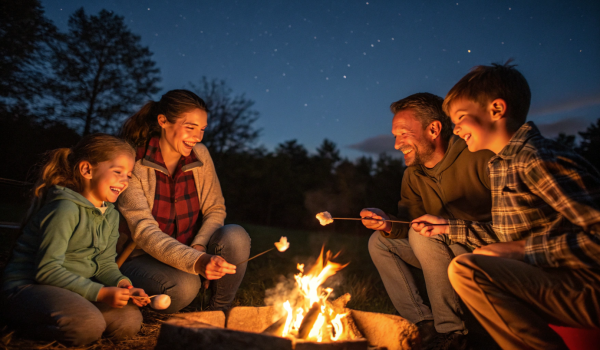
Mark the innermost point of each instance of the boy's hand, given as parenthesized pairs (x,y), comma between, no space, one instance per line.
(510,250)
(114,296)
(214,267)
(420,225)
(375,224)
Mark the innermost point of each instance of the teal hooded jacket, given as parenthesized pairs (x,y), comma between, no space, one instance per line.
(69,244)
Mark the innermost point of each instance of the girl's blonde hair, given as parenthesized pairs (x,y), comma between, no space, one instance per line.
(61,166)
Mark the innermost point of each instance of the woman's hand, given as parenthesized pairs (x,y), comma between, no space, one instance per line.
(420,225)
(114,296)
(213,267)
(377,214)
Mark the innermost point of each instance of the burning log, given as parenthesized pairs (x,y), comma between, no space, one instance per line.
(309,321)
(276,328)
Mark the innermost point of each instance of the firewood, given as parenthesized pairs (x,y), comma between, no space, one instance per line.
(277,327)
(309,321)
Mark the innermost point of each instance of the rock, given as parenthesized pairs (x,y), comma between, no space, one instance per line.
(213,318)
(387,331)
(185,333)
(252,319)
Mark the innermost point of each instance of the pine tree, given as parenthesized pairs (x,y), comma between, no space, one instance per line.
(102,72)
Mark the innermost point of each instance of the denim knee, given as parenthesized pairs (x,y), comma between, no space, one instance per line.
(236,236)
(183,292)
(375,245)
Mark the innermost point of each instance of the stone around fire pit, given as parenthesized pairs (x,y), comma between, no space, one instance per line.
(205,330)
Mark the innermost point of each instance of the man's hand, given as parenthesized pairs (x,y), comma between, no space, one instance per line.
(420,225)
(510,250)
(213,267)
(114,296)
(375,224)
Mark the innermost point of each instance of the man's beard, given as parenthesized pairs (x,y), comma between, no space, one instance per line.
(423,153)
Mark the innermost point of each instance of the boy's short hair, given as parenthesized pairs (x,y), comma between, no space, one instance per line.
(484,84)
(427,108)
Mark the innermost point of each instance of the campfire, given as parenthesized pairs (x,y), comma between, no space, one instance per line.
(300,318)
(309,315)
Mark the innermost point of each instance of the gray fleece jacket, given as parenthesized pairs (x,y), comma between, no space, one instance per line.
(137,201)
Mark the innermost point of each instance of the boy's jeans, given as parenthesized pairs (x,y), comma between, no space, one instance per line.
(230,241)
(432,255)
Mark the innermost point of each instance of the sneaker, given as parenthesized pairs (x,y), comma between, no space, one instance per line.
(449,341)
(428,333)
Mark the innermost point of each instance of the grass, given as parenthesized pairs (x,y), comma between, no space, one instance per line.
(359,278)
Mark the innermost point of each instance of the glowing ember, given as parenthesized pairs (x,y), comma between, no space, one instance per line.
(283,244)
(314,319)
(324,218)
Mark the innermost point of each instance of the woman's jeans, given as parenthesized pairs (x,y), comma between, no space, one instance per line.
(54,313)
(432,255)
(230,242)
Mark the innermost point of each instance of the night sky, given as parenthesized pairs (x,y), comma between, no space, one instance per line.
(330,69)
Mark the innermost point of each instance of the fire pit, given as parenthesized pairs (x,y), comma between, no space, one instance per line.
(302,317)
(242,328)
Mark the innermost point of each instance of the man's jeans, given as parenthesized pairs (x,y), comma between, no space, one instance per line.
(230,241)
(432,255)
(53,313)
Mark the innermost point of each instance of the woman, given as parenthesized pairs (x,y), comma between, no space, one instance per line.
(174,207)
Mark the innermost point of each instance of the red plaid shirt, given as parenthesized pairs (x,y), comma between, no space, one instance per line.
(176,204)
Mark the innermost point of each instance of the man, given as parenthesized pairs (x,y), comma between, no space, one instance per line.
(443,179)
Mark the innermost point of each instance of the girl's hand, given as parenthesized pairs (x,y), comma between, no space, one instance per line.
(213,267)
(114,296)
(139,292)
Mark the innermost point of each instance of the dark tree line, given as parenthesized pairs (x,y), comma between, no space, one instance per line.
(55,86)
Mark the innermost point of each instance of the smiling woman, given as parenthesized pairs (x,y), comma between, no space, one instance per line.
(174,207)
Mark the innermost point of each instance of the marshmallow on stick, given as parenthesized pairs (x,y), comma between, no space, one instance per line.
(324,218)
(283,244)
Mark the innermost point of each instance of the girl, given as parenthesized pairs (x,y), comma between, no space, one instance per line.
(174,207)
(62,281)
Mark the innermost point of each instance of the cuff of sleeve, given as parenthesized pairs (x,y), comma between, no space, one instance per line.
(201,273)
(123,278)
(457,228)
(92,292)
(533,254)
(399,230)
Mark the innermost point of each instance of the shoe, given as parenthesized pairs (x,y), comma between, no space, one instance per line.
(427,332)
(449,341)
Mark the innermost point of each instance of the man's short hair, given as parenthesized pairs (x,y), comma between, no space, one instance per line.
(427,108)
(483,84)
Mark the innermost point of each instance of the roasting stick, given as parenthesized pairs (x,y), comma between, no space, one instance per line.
(282,246)
(402,222)
(256,256)
(139,297)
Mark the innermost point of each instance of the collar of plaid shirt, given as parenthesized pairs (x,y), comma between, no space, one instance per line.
(176,205)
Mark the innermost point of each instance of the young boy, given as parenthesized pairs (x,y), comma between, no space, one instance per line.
(545,216)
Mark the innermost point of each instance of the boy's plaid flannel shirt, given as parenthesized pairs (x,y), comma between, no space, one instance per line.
(544,194)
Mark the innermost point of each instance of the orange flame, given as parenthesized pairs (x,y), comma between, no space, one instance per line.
(325,328)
